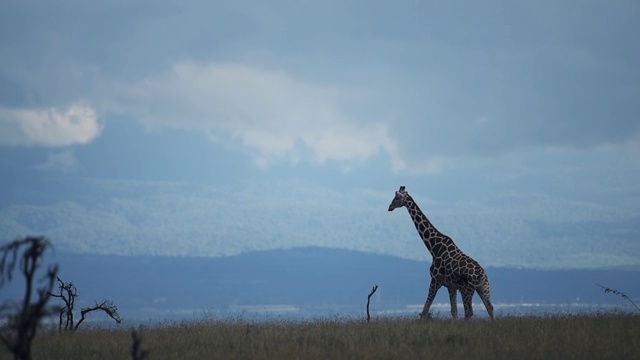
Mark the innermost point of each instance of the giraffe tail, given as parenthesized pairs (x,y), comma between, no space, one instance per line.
(484,291)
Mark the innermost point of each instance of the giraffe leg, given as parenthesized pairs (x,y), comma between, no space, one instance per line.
(453,294)
(485,294)
(434,286)
(467,297)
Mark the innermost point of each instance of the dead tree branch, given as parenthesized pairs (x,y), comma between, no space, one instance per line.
(68,293)
(619,293)
(375,287)
(107,306)
(20,329)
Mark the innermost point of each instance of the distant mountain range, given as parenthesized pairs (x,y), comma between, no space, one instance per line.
(311,279)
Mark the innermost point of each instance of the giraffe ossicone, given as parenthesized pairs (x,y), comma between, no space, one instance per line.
(450,267)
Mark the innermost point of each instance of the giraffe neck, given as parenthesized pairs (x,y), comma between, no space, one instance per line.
(435,241)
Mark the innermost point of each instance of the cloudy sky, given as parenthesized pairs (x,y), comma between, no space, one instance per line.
(461,101)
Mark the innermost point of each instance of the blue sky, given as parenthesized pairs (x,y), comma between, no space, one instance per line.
(467,103)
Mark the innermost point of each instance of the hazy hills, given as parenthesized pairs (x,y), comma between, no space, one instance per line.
(187,219)
(314,280)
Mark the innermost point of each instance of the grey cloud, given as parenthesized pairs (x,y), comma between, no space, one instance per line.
(451,79)
(58,161)
(488,105)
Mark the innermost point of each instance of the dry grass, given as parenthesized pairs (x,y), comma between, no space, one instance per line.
(586,336)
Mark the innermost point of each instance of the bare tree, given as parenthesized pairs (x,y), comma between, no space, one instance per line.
(22,318)
(68,294)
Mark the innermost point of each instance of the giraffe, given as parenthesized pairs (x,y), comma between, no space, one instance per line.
(450,267)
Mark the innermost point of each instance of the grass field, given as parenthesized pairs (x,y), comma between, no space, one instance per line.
(584,336)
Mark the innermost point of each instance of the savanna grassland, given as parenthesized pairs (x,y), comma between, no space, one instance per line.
(583,336)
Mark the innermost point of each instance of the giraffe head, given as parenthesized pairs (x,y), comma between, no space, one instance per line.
(399,200)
